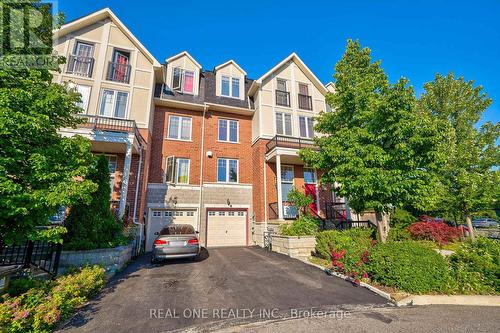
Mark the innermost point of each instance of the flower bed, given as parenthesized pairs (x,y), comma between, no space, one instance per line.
(46,303)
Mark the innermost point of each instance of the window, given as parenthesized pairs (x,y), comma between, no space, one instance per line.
(306,127)
(84,91)
(230,213)
(177,170)
(119,68)
(222,213)
(81,61)
(156,213)
(305,101)
(309,176)
(177,229)
(227,170)
(112,162)
(183,80)
(178,213)
(241,213)
(283,123)
(286,181)
(282,95)
(168,213)
(179,128)
(113,103)
(230,86)
(228,130)
(211,213)
(189,213)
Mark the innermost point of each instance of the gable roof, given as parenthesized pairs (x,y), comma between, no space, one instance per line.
(99,16)
(231,62)
(295,58)
(330,86)
(183,53)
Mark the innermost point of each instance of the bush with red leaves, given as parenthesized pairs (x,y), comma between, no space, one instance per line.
(440,233)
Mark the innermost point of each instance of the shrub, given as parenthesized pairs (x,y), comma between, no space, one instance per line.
(303,226)
(42,307)
(440,233)
(401,218)
(327,241)
(399,233)
(476,266)
(92,226)
(409,266)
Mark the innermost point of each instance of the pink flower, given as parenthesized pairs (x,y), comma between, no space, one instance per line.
(365,275)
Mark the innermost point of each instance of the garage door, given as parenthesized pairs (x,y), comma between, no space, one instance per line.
(162,218)
(227,228)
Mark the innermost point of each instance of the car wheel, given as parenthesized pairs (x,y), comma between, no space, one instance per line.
(154,260)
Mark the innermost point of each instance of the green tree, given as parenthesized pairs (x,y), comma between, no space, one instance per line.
(39,170)
(469,174)
(92,225)
(375,144)
(301,201)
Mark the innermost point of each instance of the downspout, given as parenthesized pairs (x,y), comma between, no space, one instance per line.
(134,220)
(202,157)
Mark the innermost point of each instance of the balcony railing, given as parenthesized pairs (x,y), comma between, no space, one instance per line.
(101,123)
(81,66)
(289,142)
(118,72)
(282,98)
(305,102)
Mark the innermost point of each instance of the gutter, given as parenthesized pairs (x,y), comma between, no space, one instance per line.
(202,158)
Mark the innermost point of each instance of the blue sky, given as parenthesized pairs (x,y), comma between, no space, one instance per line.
(415,39)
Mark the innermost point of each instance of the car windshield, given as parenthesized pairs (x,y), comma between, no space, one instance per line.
(177,229)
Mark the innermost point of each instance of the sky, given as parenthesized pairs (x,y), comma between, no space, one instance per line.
(415,38)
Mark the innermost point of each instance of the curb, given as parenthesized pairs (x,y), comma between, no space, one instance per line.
(362,284)
(476,300)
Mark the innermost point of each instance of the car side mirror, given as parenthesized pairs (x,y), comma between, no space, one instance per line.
(157,233)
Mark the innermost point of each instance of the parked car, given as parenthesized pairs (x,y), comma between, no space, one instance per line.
(484,222)
(430,219)
(176,241)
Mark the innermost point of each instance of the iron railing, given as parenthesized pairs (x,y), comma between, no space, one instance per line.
(119,72)
(305,102)
(289,142)
(111,125)
(43,255)
(282,98)
(81,66)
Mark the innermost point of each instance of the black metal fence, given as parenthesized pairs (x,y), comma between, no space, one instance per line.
(40,254)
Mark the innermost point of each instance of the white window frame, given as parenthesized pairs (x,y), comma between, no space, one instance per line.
(307,119)
(227,171)
(285,166)
(84,104)
(156,213)
(115,93)
(228,121)
(313,172)
(179,128)
(182,79)
(230,80)
(283,123)
(174,176)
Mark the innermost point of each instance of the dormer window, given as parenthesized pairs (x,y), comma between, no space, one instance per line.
(183,80)
(230,86)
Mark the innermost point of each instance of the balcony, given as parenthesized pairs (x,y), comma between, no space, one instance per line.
(282,98)
(305,102)
(280,141)
(100,123)
(81,66)
(118,72)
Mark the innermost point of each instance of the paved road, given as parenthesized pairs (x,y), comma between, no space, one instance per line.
(229,286)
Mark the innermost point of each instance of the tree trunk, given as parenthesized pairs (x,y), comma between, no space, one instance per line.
(468,220)
(382,226)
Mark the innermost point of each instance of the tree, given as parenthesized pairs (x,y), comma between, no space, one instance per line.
(301,201)
(39,170)
(470,172)
(375,144)
(92,225)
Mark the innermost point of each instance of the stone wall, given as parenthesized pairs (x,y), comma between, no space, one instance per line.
(257,232)
(112,259)
(298,247)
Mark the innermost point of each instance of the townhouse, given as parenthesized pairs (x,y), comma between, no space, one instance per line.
(208,147)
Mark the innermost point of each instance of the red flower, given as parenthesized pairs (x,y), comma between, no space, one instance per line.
(365,275)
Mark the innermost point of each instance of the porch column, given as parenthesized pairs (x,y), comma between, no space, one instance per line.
(125,177)
(280,195)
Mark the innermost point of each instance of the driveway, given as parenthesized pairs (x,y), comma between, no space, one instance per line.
(227,286)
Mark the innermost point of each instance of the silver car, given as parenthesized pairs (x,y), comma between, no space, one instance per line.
(176,241)
(484,222)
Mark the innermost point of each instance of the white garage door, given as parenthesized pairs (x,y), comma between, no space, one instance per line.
(162,218)
(227,228)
